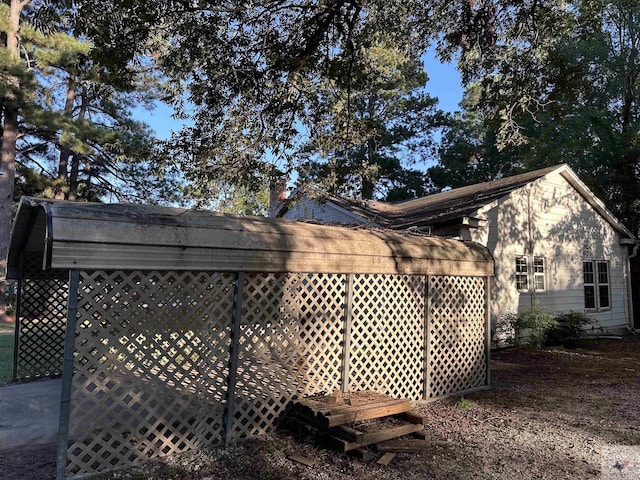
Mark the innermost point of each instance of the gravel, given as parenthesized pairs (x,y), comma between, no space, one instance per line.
(550,414)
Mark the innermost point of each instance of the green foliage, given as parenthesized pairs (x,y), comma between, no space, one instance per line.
(291,83)
(505,333)
(465,404)
(531,326)
(568,329)
(77,138)
(367,132)
(6,357)
(263,78)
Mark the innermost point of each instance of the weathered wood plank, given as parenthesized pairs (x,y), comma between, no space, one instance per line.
(362,453)
(414,418)
(309,462)
(410,445)
(386,458)
(349,433)
(369,438)
(366,414)
(389,433)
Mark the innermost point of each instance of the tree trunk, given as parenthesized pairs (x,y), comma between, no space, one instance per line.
(75,160)
(63,162)
(73,178)
(8,149)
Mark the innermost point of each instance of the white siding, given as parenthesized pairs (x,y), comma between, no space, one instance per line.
(549,218)
(306,209)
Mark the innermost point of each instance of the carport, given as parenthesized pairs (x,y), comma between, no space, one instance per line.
(183,329)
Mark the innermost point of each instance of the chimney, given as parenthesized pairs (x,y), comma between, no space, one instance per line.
(277,193)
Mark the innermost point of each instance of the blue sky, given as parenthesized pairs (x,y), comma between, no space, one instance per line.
(444,83)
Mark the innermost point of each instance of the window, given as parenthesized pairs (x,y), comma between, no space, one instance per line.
(539,282)
(603,285)
(589,285)
(596,285)
(522,274)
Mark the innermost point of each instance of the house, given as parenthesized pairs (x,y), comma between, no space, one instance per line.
(554,242)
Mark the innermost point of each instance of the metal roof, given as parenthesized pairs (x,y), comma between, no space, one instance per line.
(88,236)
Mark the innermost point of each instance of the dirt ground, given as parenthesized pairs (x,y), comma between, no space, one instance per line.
(549,415)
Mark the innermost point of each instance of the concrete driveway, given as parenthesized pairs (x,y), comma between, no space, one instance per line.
(29,413)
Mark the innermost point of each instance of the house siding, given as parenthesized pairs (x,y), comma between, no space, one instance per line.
(307,209)
(550,219)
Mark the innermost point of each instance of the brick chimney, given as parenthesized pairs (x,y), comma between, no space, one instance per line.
(277,193)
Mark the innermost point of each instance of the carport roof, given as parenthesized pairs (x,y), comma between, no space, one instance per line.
(94,236)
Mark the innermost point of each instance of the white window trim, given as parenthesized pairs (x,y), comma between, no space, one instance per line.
(543,274)
(522,274)
(530,274)
(596,284)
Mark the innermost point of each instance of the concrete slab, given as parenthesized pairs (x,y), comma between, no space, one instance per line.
(29,413)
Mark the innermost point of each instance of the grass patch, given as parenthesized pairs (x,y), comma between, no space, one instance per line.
(6,356)
(465,404)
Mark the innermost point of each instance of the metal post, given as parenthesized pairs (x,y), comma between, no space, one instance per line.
(427,334)
(233,359)
(16,333)
(488,328)
(346,339)
(67,375)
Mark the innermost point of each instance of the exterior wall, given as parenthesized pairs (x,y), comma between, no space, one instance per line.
(306,209)
(550,219)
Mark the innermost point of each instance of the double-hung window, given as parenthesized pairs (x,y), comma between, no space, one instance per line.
(522,273)
(534,276)
(539,282)
(595,275)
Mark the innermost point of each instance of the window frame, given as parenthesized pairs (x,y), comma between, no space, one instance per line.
(522,273)
(542,274)
(601,284)
(596,284)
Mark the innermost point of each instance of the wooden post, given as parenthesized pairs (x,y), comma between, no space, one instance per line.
(67,375)
(427,336)
(346,342)
(488,328)
(233,359)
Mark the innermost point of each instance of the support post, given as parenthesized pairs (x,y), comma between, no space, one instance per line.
(487,333)
(16,333)
(67,375)
(233,359)
(346,340)
(427,334)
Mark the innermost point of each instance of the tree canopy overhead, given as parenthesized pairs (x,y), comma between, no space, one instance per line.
(254,73)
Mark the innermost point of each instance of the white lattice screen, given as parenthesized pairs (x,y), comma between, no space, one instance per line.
(290,344)
(456,350)
(153,352)
(151,356)
(387,335)
(41,321)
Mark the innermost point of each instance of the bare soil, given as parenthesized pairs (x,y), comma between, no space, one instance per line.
(548,415)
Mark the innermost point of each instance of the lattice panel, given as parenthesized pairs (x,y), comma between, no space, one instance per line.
(151,366)
(457,348)
(387,335)
(290,344)
(42,321)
